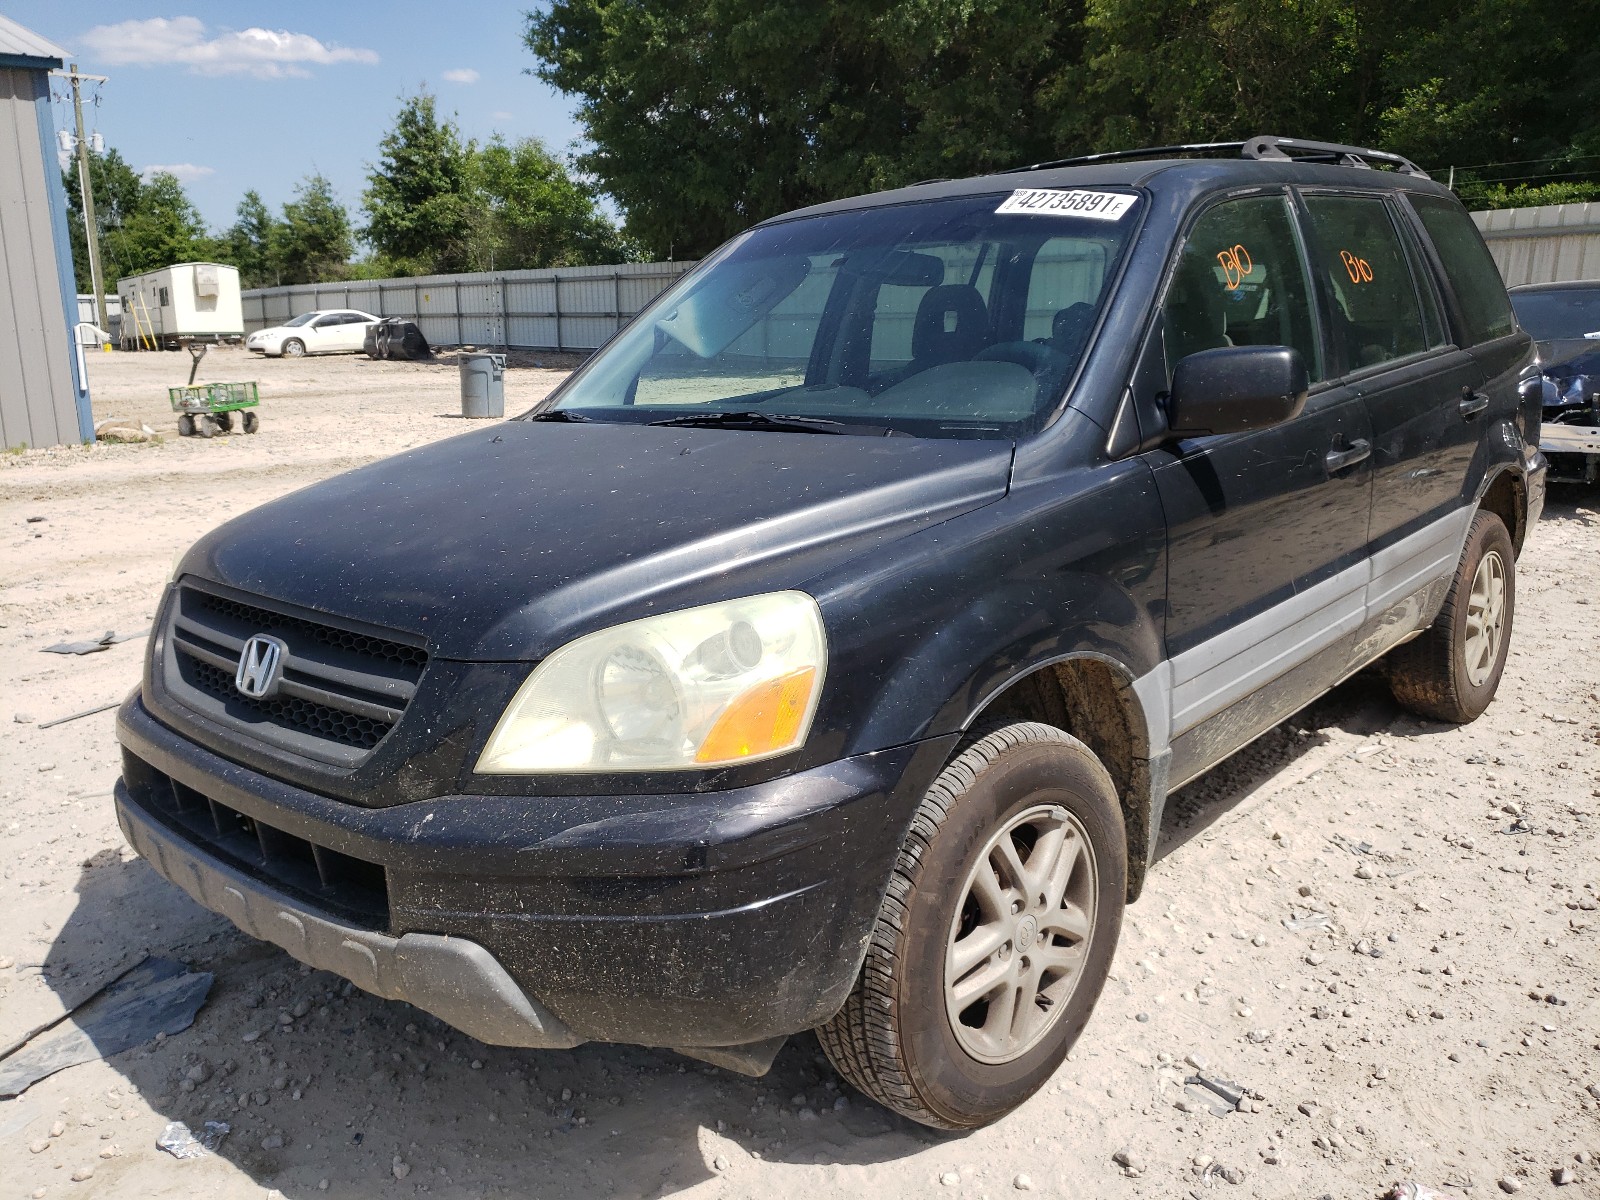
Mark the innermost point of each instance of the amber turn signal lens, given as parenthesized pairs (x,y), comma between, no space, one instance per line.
(765,719)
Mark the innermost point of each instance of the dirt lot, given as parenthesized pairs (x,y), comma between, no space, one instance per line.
(1446,1028)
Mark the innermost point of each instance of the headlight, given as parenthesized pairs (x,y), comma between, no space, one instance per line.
(705,687)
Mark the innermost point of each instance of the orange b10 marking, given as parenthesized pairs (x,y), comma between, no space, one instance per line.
(1236,264)
(1359,269)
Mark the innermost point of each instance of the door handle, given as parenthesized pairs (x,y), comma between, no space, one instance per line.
(1473,403)
(1339,458)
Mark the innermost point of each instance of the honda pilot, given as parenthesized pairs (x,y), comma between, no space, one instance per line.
(822,653)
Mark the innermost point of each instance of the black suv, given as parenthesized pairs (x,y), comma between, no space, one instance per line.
(822,653)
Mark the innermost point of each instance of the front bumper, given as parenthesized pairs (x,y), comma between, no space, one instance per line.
(695,920)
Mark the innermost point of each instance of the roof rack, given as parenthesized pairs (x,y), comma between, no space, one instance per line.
(1264,147)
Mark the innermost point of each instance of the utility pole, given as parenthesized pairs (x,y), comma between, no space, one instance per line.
(90,229)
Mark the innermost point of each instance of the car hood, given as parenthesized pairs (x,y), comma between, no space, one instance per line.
(271,331)
(1566,357)
(504,543)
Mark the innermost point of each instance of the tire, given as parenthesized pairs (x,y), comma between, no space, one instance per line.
(207,426)
(185,426)
(251,422)
(1450,672)
(225,422)
(907,1040)
(293,348)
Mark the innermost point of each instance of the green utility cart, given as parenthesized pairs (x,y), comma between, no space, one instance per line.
(208,408)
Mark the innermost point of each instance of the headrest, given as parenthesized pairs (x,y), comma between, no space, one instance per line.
(952,324)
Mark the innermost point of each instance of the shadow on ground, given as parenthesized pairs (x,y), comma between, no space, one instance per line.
(352,1083)
(320,1081)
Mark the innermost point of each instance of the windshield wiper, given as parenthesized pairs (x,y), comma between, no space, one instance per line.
(559,414)
(771,422)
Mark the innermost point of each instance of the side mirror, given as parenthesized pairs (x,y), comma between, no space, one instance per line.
(1234,389)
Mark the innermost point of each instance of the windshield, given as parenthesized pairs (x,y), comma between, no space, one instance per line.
(955,318)
(1559,313)
(302,319)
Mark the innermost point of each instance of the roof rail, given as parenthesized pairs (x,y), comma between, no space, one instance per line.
(1266,146)
(1263,147)
(1125,155)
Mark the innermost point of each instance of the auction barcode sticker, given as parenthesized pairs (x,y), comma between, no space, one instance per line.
(1102,206)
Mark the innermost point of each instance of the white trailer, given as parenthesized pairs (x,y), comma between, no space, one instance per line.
(183,303)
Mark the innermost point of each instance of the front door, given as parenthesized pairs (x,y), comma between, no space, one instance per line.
(1267,530)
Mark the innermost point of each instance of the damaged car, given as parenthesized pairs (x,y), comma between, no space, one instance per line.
(1564,318)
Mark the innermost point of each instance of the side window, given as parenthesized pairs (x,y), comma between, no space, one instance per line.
(164,300)
(1473,276)
(1240,281)
(1376,315)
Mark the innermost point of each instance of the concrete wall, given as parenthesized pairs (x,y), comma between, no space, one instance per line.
(1548,244)
(567,308)
(41,401)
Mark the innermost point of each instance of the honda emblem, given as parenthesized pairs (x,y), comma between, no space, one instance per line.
(260,667)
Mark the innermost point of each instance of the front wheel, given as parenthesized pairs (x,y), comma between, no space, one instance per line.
(293,348)
(1450,671)
(995,936)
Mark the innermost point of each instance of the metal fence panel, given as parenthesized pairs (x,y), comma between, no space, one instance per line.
(567,308)
(1547,244)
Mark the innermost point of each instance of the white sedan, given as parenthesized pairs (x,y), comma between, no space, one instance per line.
(325,331)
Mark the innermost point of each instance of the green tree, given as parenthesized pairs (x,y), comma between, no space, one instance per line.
(534,214)
(706,115)
(165,228)
(312,243)
(418,211)
(249,240)
(117,191)
(437,202)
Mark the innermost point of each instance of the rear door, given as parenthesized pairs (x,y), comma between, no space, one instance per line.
(1391,344)
(1267,530)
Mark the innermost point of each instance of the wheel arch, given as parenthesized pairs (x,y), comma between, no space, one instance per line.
(1505,494)
(1096,698)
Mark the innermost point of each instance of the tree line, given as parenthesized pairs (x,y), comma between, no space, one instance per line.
(434,203)
(703,116)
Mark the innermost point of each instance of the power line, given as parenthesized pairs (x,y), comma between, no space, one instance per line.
(1522,162)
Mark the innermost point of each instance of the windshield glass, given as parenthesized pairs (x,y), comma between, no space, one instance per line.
(1559,313)
(302,319)
(954,318)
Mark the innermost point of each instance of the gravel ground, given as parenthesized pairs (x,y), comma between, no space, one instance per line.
(1444,1026)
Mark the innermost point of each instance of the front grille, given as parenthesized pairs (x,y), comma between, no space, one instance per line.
(351,888)
(343,687)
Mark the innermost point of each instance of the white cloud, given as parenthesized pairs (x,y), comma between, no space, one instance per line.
(182,41)
(502,115)
(462,75)
(183,172)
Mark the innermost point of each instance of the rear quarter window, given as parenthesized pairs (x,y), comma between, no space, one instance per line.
(1480,292)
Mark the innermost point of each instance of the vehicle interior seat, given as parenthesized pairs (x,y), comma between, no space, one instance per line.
(952,325)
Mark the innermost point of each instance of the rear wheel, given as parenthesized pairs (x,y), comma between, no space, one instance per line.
(225,422)
(251,422)
(996,934)
(185,426)
(1450,672)
(207,426)
(294,348)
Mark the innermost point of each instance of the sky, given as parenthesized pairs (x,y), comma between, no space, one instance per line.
(229,96)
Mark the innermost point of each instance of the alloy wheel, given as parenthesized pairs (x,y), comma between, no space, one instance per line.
(1021,934)
(1486,613)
